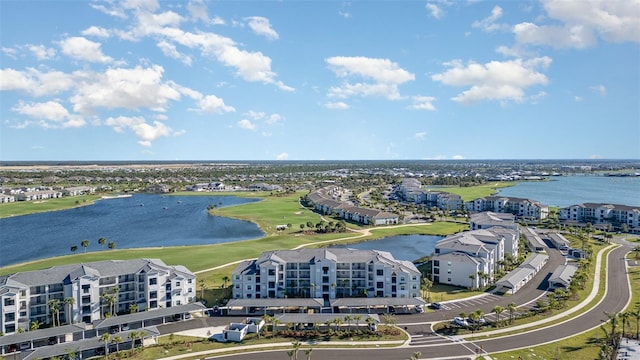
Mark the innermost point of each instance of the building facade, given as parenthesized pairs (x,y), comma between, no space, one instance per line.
(91,290)
(618,216)
(326,274)
(522,208)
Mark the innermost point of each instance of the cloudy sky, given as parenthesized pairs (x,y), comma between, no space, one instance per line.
(319,80)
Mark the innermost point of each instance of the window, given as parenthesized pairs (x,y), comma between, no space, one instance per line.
(153,295)
(380,272)
(177,283)
(380,284)
(248,287)
(237,277)
(189,290)
(402,279)
(272,272)
(189,281)
(153,281)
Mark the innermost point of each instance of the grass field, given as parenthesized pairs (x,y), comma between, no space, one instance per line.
(31,207)
(470,193)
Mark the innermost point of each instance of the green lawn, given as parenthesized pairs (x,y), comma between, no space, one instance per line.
(471,193)
(31,207)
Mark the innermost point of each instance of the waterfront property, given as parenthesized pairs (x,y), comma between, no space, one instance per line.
(91,291)
(522,208)
(620,217)
(410,189)
(311,278)
(325,204)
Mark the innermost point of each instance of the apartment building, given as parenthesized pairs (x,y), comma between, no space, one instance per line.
(328,273)
(326,204)
(618,216)
(92,290)
(410,189)
(471,258)
(522,208)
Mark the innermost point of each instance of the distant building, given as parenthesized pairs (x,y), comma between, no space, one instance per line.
(603,214)
(522,208)
(146,283)
(325,204)
(410,189)
(489,219)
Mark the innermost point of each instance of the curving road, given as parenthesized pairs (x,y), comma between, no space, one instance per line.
(615,300)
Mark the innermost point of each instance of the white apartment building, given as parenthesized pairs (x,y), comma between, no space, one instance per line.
(523,208)
(328,273)
(597,214)
(147,283)
(471,258)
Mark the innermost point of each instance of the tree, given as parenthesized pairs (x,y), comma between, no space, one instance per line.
(512,309)
(296,347)
(308,353)
(348,319)
(102,241)
(416,355)
(357,319)
(133,308)
(203,287)
(498,310)
(225,279)
(117,340)
(111,245)
(337,322)
(426,285)
(74,248)
(290,354)
(626,318)
(35,325)
(85,244)
(70,301)
(268,319)
(133,335)
(105,339)
(54,309)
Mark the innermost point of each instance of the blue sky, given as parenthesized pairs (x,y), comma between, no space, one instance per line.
(319,80)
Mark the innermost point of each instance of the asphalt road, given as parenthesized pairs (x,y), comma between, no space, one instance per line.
(436,347)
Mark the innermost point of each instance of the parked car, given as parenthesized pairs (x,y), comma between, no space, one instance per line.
(436,306)
(460,321)
(419,309)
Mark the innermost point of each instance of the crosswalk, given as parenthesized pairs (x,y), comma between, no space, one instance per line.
(428,339)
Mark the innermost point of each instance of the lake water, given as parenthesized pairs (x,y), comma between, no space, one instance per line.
(143,220)
(565,191)
(404,247)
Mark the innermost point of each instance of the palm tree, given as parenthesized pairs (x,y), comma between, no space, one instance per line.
(133,308)
(416,355)
(370,322)
(102,241)
(203,286)
(472,277)
(348,319)
(70,301)
(357,319)
(626,318)
(498,310)
(636,315)
(54,309)
(74,248)
(35,325)
(111,245)
(328,324)
(267,320)
(337,322)
(427,284)
(133,335)
(105,339)
(308,353)
(225,279)
(512,309)
(85,244)
(296,347)
(117,340)
(613,318)
(290,354)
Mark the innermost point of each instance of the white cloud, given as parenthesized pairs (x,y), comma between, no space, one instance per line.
(246,124)
(423,103)
(10,52)
(577,98)
(600,89)
(114,11)
(168,49)
(282,156)
(214,104)
(255,115)
(123,88)
(420,135)
(582,23)
(488,24)
(35,82)
(96,31)
(50,114)
(435,10)
(80,48)
(261,26)
(344,14)
(457,157)
(146,133)
(503,81)
(338,105)
(42,52)
(385,74)
(198,11)
(271,119)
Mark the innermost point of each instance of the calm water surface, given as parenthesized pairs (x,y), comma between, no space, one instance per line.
(403,247)
(565,191)
(143,220)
